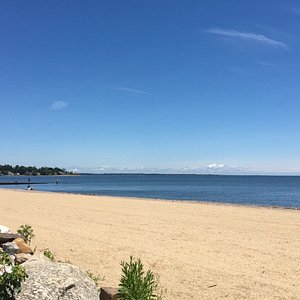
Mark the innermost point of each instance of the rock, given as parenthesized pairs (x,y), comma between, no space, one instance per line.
(12,258)
(8,237)
(22,257)
(52,281)
(109,293)
(23,247)
(4,229)
(10,248)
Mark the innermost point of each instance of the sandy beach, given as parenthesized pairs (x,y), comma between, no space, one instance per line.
(200,251)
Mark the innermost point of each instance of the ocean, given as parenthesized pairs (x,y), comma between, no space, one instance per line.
(250,190)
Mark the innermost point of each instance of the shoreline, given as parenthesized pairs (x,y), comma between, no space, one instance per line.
(165,200)
(245,252)
(159,174)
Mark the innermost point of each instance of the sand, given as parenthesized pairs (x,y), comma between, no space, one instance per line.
(200,250)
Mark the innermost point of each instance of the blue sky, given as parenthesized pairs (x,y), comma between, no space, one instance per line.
(151,86)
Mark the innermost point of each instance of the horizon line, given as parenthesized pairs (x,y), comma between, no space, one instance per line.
(195,174)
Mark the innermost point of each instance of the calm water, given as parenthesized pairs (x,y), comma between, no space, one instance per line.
(255,190)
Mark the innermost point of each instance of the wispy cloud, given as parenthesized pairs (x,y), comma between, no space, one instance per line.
(247,36)
(129,90)
(265,64)
(58,105)
(213,168)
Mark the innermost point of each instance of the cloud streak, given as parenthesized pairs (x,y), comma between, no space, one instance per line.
(134,91)
(265,64)
(58,105)
(213,168)
(247,36)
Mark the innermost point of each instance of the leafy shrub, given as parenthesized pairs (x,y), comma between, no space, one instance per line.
(135,284)
(27,232)
(49,254)
(11,277)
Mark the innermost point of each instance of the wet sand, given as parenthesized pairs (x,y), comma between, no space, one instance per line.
(200,250)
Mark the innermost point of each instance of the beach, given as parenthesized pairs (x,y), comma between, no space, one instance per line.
(199,250)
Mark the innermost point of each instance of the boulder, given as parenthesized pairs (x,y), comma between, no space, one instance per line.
(4,229)
(10,248)
(8,237)
(22,257)
(52,281)
(23,247)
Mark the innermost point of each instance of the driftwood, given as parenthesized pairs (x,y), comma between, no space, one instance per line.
(9,237)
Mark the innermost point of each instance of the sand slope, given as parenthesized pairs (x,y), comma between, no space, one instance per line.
(247,252)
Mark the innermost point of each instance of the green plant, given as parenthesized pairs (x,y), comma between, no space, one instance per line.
(27,232)
(135,284)
(11,277)
(95,278)
(49,254)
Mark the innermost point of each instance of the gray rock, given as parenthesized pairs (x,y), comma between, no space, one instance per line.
(10,248)
(52,281)
(8,237)
(12,258)
(4,229)
(22,257)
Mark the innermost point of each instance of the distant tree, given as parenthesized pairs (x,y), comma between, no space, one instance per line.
(22,170)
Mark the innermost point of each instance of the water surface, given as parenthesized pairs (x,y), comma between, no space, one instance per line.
(253,190)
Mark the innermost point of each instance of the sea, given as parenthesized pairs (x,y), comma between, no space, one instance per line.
(282,191)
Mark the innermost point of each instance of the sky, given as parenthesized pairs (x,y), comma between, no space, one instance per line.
(208,86)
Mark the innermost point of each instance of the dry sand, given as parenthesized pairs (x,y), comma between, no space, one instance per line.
(200,251)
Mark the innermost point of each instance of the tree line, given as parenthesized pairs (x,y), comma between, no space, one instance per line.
(32,171)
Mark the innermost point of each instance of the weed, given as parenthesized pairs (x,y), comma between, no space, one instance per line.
(49,254)
(135,284)
(10,277)
(27,232)
(97,279)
